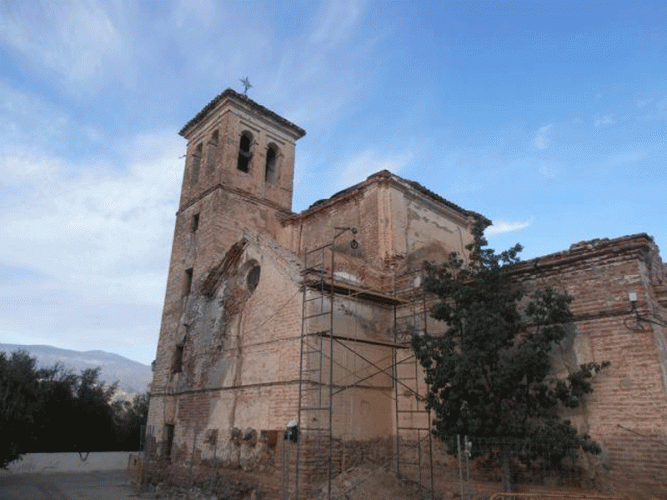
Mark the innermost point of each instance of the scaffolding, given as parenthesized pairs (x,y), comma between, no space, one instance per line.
(320,454)
(414,445)
(314,459)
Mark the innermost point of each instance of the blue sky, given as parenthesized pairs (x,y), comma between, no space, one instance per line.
(550,119)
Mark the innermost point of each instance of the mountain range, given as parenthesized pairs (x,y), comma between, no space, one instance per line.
(132,377)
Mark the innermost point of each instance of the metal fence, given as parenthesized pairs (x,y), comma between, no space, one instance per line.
(519,464)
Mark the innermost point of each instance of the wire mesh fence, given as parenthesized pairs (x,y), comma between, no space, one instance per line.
(520,464)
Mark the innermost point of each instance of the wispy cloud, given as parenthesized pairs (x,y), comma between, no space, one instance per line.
(504,226)
(335,21)
(626,157)
(75,228)
(644,102)
(329,65)
(26,118)
(76,40)
(367,163)
(659,113)
(90,244)
(549,169)
(542,138)
(604,120)
(193,13)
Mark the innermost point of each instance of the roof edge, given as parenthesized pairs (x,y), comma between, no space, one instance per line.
(377,178)
(587,249)
(244,99)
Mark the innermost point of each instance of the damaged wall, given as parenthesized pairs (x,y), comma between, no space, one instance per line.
(399,225)
(227,371)
(240,352)
(627,411)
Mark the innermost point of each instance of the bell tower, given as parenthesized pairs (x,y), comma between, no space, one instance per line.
(239,172)
(238,145)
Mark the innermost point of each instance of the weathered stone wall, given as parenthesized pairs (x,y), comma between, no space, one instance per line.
(627,411)
(398,227)
(227,371)
(416,228)
(240,364)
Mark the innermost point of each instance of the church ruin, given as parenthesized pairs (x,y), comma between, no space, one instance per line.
(284,351)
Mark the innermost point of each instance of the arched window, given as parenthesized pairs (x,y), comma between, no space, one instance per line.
(271,170)
(245,152)
(196,163)
(212,153)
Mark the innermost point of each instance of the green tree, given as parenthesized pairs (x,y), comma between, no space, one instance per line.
(55,425)
(130,420)
(54,410)
(490,373)
(76,412)
(20,404)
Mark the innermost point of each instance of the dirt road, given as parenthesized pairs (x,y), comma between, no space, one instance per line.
(68,486)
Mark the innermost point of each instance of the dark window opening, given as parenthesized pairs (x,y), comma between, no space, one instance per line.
(187,284)
(271,170)
(211,156)
(195,222)
(177,364)
(245,154)
(252,278)
(169,441)
(196,163)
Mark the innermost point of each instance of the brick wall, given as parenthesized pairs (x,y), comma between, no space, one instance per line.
(627,411)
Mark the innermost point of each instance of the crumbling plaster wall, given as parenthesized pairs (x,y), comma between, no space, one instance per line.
(397,229)
(241,353)
(627,411)
(420,230)
(317,227)
(362,364)
(223,217)
(352,318)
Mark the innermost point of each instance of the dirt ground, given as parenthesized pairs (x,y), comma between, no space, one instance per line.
(375,484)
(371,484)
(359,483)
(108,485)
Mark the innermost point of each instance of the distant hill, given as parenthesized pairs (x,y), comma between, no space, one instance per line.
(132,377)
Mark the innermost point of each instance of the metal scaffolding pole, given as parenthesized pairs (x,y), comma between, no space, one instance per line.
(315,464)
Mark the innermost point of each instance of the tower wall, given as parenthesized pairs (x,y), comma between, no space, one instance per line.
(217,366)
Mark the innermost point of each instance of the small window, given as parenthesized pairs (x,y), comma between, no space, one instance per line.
(252,278)
(195,223)
(177,362)
(187,282)
(169,440)
(211,156)
(245,153)
(196,164)
(271,170)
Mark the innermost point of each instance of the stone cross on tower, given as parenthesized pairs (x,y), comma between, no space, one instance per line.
(246,85)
